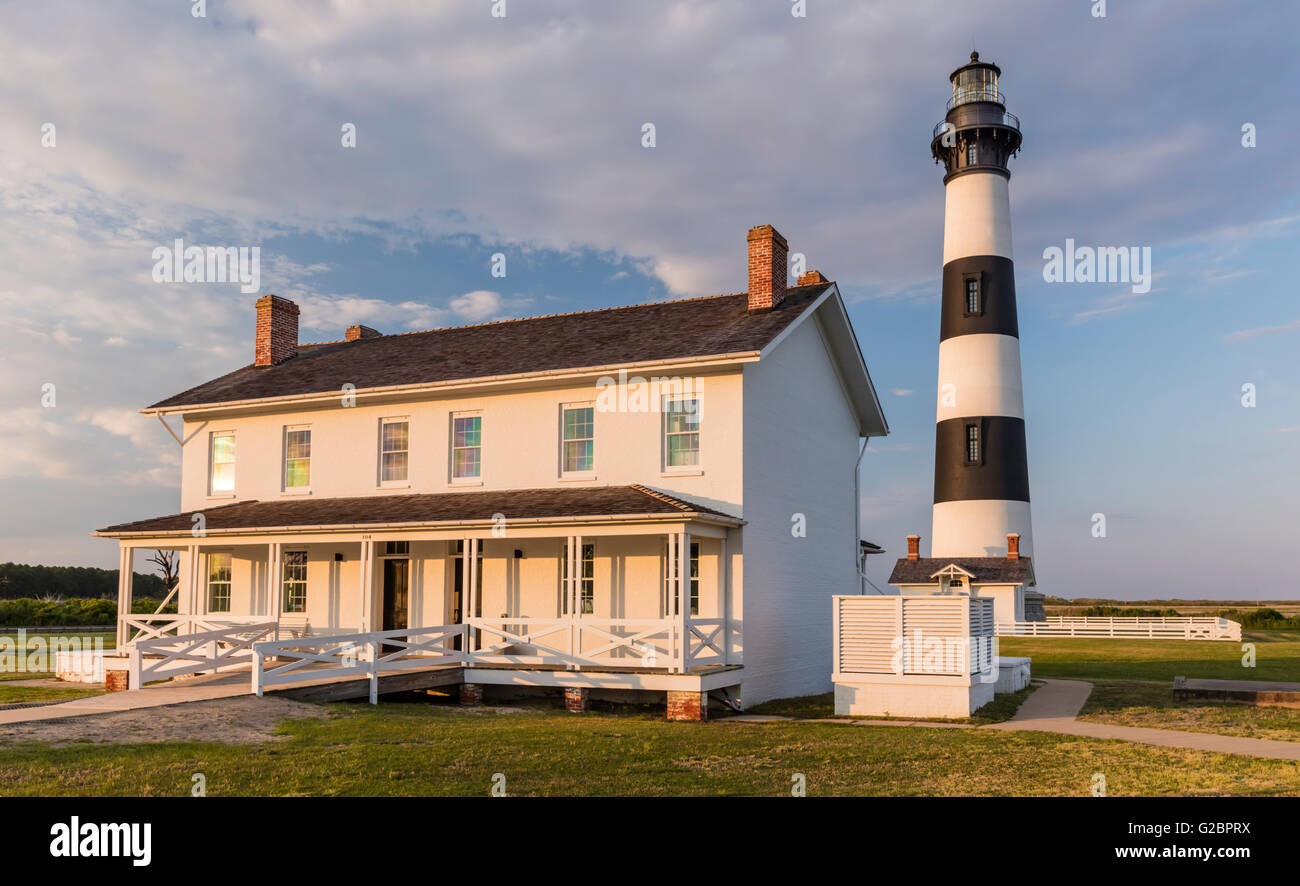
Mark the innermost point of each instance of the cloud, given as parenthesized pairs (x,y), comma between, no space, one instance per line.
(901,392)
(1248,334)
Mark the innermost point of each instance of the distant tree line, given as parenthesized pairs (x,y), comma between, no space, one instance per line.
(26,612)
(51,583)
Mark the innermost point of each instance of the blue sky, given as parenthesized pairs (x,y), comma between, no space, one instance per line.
(523,136)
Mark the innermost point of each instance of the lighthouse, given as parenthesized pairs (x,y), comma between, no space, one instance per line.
(981,475)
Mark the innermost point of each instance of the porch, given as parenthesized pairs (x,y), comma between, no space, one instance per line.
(623,604)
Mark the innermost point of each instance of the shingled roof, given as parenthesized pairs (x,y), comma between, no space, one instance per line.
(427,509)
(983,569)
(700,327)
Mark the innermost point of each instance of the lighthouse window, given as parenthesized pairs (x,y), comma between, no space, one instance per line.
(973,295)
(972,444)
(970,156)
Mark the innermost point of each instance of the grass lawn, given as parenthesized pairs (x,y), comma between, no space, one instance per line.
(815,707)
(9,642)
(1133,679)
(16,694)
(426,749)
(10,669)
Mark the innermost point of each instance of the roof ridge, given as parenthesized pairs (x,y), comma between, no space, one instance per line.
(670,301)
(610,309)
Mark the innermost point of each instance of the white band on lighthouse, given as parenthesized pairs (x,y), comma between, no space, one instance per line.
(977,216)
(979,375)
(978,528)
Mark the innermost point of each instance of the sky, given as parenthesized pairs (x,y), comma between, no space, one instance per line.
(523,135)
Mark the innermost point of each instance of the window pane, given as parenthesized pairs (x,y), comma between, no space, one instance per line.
(578,423)
(394,466)
(683,450)
(395,436)
(683,415)
(299,444)
(223,478)
(468,431)
(579,456)
(297,472)
(223,449)
(467,463)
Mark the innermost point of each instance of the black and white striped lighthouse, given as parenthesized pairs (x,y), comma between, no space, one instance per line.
(981,476)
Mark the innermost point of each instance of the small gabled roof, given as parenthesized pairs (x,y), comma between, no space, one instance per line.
(428,509)
(639,334)
(989,570)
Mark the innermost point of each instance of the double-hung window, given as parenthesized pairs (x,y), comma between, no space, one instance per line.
(221,476)
(394,451)
(693,589)
(295,581)
(578,439)
(219,581)
(297,459)
(682,432)
(586,582)
(466,447)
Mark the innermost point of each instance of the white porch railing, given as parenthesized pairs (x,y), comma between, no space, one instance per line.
(356,655)
(572,642)
(1153,628)
(705,638)
(163,657)
(157,627)
(590,641)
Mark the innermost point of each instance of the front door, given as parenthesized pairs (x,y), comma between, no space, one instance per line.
(397,582)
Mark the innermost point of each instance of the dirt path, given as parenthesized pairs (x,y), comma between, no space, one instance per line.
(241,720)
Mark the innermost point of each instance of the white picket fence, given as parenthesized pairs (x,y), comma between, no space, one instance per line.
(1153,628)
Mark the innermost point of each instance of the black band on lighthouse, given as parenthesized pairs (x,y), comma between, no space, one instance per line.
(1001,471)
(995,275)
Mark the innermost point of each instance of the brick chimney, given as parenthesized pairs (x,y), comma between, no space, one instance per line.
(356,332)
(914,547)
(767,268)
(1013,545)
(277,330)
(807,278)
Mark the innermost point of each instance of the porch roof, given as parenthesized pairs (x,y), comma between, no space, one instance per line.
(430,509)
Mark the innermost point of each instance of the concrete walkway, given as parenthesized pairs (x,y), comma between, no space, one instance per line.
(1055,708)
(189,689)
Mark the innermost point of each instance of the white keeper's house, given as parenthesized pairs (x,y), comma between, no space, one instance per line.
(660,497)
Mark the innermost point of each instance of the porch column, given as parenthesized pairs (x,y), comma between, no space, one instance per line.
(125,571)
(273,585)
(683,597)
(366,592)
(192,581)
(724,573)
(472,576)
